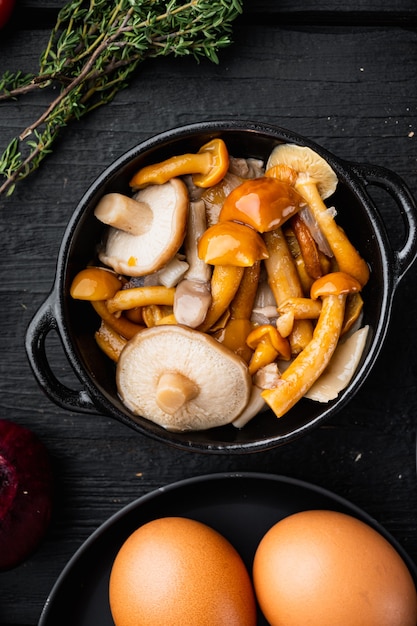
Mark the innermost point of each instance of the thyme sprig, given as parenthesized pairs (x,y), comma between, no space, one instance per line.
(92,52)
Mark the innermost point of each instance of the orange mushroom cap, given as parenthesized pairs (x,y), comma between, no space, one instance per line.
(264,203)
(334,284)
(267,332)
(230,243)
(95,283)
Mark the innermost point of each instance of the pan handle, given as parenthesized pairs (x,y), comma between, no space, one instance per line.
(44,322)
(395,186)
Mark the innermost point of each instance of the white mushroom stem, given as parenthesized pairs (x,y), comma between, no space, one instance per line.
(125,213)
(193,297)
(174,390)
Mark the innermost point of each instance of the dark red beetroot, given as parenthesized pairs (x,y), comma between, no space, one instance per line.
(25,493)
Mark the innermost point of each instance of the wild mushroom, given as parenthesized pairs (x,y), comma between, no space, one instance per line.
(145,244)
(231,243)
(225,281)
(285,283)
(208,166)
(192,295)
(306,368)
(264,203)
(315,182)
(182,379)
(95,283)
(234,333)
(268,345)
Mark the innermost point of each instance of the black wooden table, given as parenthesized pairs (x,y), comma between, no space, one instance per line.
(344,75)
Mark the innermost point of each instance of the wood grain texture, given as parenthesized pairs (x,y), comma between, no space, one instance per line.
(352,89)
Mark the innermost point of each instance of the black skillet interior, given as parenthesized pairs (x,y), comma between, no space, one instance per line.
(356,214)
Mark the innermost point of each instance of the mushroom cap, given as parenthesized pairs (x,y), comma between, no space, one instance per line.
(334,284)
(231,243)
(138,255)
(220,379)
(305,160)
(264,203)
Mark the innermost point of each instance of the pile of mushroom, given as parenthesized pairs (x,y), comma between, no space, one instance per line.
(225,287)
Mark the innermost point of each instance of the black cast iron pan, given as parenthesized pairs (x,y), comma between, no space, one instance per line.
(75,323)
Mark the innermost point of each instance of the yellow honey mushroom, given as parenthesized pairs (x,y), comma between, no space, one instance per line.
(110,342)
(267,344)
(238,326)
(284,282)
(208,166)
(308,247)
(305,279)
(335,283)
(95,283)
(154,313)
(354,306)
(282,172)
(135,315)
(166,320)
(264,203)
(347,257)
(296,309)
(301,308)
(140,296)
(119,324)
(231,243)
(306,368)
(316,181)
(242,304)
(234,335)
(225,281)
(285,323)
(214,197)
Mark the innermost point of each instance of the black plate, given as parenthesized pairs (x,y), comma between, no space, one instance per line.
(241,506)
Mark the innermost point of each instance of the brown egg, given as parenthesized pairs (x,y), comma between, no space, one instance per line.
(175,571)
(324,568)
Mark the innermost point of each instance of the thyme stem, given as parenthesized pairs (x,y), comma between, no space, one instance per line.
(93,49)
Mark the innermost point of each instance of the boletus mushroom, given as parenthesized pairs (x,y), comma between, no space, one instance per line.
(144,232)
(170,375)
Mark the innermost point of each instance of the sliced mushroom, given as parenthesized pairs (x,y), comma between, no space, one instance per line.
(193,295)
(162,235)
(341,368)
(182,379)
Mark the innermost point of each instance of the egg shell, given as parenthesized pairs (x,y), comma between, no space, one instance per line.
(325,568)
(176,571)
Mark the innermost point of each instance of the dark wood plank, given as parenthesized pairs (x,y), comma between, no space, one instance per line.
(391,12)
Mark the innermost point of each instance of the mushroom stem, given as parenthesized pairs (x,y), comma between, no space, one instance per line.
(173,392)
(208,165)
(134,297)
(127,214)
(346,255)
(312,361)
(193,296)
(285,283)
(225,282)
